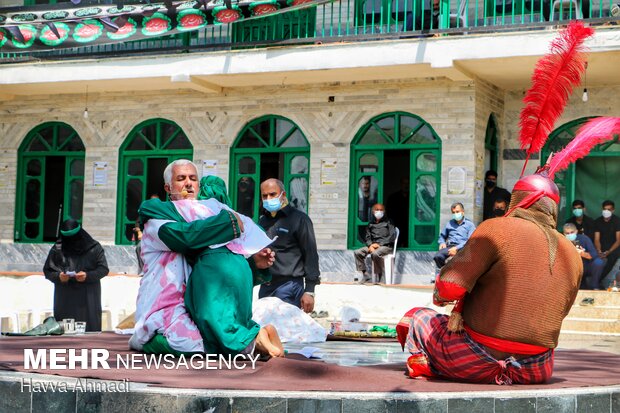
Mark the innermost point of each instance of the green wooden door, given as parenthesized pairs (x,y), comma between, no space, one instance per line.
(246,181)
(366,190)
(391,149)
(425,197)
(50,181)
(269,147)
(148,149)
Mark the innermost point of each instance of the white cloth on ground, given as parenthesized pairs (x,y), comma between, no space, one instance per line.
(292,324)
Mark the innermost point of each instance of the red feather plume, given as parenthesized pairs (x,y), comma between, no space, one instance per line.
(592,133)
(553,80)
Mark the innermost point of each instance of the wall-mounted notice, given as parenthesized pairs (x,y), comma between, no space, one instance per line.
(478,200)
(456,180)
(329,171)
(100,174)
(4,170)
(209,167)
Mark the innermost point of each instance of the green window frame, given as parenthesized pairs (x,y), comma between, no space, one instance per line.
(567,180)
(148,148)
(490,143)
(405,132)
(260,139)
(47,150)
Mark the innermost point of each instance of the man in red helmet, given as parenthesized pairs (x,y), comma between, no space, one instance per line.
(513,283)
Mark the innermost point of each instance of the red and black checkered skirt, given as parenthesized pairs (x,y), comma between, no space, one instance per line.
(438,352)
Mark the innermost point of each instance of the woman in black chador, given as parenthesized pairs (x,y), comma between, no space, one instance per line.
(76,264)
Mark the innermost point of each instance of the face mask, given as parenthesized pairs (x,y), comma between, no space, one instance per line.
(457,216)
(378,215)
(571,237)
(273,204)
(498,212)
(606,213)
(577,212)
(490,183)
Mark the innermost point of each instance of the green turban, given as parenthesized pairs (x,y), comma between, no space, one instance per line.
(212,186)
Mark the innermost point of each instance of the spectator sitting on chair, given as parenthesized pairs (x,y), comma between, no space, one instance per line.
(454,236)
(380,235)
(592,264)
(584,224)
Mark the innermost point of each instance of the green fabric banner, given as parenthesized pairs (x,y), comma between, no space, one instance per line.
(55,27)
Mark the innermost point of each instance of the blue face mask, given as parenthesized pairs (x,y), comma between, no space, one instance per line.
(571,237)
(457,216)
(273,204)
(578,212)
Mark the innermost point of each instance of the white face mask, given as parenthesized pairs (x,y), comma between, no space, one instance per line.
(606,213)
(378,214)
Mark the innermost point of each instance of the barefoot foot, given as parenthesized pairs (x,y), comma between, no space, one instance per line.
(268,342)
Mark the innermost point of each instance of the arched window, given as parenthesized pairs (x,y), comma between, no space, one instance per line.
(491,148)
(143,156)
(592,179)
(50,181)
(269,147)
(396,161)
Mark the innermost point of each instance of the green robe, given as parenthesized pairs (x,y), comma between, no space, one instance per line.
(218,295)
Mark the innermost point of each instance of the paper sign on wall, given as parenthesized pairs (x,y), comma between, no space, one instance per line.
(456,180)
(209,167)
(100,174)
(478,200)
(329,171)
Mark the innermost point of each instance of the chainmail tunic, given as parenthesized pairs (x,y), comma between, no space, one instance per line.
(521,274)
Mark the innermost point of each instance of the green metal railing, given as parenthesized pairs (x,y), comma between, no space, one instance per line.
(354,20)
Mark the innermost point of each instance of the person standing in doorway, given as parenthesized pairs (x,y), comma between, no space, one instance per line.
(366,199)
(295,272)
(492,193)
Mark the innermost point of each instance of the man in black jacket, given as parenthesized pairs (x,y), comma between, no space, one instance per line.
(492,193)
(295,271)
(380,236)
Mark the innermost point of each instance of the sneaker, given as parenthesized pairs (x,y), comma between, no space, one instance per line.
(587,301)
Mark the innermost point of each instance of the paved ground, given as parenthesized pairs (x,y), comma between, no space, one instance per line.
(364,354)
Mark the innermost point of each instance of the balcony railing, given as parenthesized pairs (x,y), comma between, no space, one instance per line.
(355,20)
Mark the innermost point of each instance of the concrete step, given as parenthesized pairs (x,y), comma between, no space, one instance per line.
(595,325)
(601,298)
(595,311)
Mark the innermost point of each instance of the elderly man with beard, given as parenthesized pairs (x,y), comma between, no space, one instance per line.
(174,313)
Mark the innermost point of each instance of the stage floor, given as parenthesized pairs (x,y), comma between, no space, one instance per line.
(353,376)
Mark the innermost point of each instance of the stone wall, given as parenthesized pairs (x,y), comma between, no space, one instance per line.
(212,122)
(489,102)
